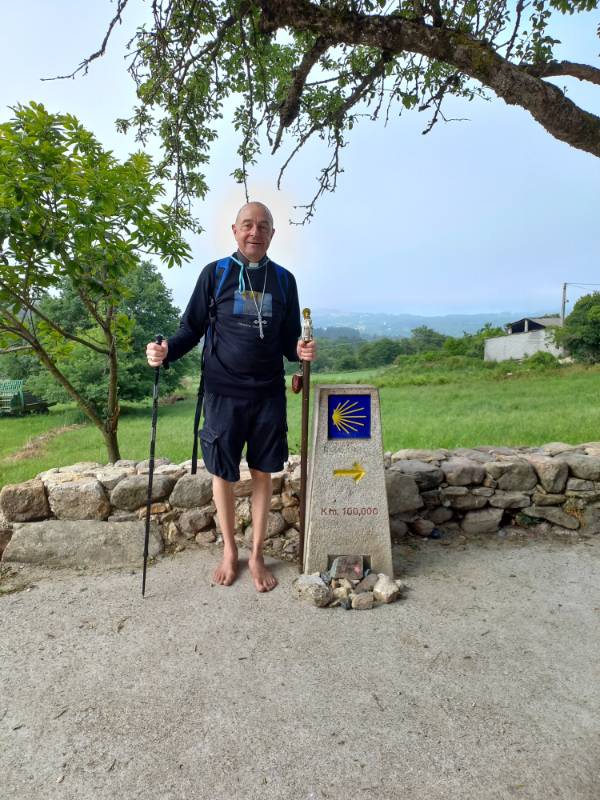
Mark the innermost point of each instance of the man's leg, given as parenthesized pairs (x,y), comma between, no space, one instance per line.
(262,489)
(227,571)
(222,440)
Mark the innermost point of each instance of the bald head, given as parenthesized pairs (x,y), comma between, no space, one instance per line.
(253,230)
(250,208)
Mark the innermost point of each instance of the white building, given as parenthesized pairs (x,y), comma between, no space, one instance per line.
(525,337)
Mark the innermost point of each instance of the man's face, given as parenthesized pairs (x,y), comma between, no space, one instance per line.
(253,231)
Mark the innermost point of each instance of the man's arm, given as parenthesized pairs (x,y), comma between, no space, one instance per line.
(194,319)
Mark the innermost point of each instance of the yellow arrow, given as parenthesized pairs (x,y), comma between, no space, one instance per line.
(357,472)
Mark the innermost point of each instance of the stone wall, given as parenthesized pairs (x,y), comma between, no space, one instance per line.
(551,489)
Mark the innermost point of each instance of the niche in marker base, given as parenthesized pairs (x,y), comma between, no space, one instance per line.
(347,510)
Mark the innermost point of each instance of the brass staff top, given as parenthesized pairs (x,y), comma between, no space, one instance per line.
(307,328)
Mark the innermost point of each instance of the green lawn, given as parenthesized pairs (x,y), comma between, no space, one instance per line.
(533,408)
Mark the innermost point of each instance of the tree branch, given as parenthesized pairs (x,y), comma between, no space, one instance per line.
(477,59)
(584,72)
(85,64)
(291,105)
(16,349)
(336,122)
(21,331)
(55,326)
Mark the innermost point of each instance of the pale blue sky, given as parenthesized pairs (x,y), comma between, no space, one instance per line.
(492,214)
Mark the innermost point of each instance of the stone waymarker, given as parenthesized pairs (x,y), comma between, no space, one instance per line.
(347,511)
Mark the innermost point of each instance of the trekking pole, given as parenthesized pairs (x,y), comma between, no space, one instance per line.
(306,336)
(158,339)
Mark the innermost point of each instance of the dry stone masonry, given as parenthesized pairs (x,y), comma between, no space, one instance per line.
(76,514)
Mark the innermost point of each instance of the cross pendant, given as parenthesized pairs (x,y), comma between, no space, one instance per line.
(260,327)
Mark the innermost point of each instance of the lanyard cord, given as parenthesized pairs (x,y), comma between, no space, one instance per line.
(262,299)
(242,289)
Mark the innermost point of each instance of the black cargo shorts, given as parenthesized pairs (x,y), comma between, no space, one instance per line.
(232,422)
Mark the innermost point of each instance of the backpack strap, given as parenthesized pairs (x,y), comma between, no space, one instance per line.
(222,268)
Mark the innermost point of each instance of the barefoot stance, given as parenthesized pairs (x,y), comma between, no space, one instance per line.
(263,579)
(227,571)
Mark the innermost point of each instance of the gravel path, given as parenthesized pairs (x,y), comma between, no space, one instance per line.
(483,682)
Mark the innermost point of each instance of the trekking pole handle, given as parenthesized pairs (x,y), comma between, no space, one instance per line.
(159,339)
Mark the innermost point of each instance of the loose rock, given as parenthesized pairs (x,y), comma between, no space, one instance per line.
(79,500)
(485,520)
(510,500)
(512,475)
(552,472)
(421,527)
(463,472)
(386,590)
(419,455)
(23,502)
(192,491)
(132,492)
(553,514)
(313,590)
(426,476)
(582,466)
(363,601)
(196,519)
(81,543)
(367,584)
(143,467)
(402,492)
(540,498)
(206,537)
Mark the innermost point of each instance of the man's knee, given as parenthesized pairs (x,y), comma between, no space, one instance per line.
(259,476)
(222,484)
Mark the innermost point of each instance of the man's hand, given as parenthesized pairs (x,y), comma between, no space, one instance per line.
(307,351)
(156,353)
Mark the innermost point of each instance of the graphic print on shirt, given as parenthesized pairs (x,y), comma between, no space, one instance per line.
(245,305)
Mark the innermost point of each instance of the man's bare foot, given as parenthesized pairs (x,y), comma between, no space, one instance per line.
(227,571)
(263,579)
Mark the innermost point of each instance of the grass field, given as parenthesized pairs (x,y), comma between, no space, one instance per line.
(464,410)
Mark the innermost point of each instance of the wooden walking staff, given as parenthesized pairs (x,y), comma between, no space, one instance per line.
(306,336)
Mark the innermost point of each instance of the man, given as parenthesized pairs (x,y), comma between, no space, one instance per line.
(250,305)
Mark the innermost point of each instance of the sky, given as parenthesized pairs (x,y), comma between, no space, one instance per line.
(491,214)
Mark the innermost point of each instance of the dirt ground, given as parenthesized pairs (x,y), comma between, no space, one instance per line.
(483,682)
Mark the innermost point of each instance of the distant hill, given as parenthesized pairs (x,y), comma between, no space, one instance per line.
(396,325)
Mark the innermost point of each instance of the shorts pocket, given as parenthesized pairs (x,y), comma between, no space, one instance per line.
(211,451)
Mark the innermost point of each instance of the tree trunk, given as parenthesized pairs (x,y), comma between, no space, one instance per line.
(108,431)
(112,409)
(112,445)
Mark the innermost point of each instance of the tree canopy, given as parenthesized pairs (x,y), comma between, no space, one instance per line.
(147,304)
(299,69)
(580,334)
(70,211)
